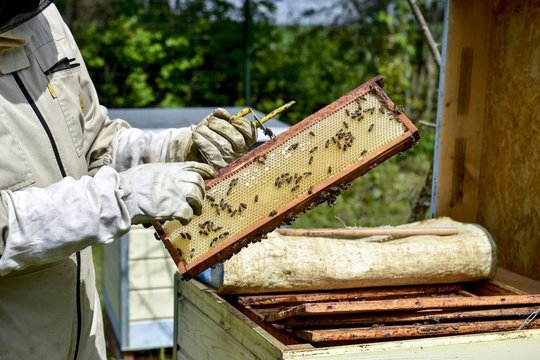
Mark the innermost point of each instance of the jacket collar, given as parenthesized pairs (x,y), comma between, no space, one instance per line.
(12,52)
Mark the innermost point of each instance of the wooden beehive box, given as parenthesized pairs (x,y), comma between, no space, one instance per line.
(488,150)
(209,327)
(486,171)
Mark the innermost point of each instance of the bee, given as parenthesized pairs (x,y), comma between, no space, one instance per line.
(298,179)
(260,159)
(329,169)
(327,144)
(293,146)
(229,191)
(273,213)
(191,253)
(310,160)
(242,206)
(307,173)
(256,198)
(213,242)
(233,182)
(363,98)
(346,125)
(202,232)
(334,140)
(295,187)
(311,133)
(364,152)
(233,212)
(338,145)
(371,127)
(218,228)
(310,190)
(313,149)
(381,109)
(347,112)
(188,236)
(211,198)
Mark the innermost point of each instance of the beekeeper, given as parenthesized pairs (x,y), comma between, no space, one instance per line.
(71,178)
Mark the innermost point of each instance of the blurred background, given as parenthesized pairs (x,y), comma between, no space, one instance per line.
(262,53)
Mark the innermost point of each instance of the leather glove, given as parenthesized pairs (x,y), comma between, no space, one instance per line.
(165,191)
(217,139)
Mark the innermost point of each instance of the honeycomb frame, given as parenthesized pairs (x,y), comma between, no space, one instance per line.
(366,115)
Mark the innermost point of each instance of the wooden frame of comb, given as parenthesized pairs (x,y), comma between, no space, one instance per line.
(325,191)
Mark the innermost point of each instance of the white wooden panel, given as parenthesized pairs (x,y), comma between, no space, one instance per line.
(152,334)
(151,273)
(216,311)
(201,338)
(151,304)
(143,245)
(501,346)
(183,356)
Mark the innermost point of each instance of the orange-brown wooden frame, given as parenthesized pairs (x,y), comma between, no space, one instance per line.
(258,230)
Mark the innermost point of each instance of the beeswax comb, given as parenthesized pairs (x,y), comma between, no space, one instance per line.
(309,164)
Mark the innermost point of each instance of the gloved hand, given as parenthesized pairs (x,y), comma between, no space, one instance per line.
(218,139)
(162,191)
(45,225)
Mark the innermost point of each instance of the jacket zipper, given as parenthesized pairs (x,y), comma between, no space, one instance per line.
(63,172)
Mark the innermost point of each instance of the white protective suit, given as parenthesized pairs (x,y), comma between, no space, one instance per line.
(71,178)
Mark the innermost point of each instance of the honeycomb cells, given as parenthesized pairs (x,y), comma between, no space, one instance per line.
(263,187)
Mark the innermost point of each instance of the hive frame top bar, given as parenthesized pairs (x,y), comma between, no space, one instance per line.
(328,188)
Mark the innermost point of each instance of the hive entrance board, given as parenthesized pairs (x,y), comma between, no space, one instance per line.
(307,165)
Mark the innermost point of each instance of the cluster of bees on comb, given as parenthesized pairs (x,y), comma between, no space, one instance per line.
(233,200)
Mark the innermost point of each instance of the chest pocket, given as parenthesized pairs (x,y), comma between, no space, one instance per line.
(15,170)
(59,64)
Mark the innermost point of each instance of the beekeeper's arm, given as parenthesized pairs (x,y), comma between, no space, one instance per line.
(43,225)
(217,140)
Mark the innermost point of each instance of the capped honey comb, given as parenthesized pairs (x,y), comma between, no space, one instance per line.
(310,163)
